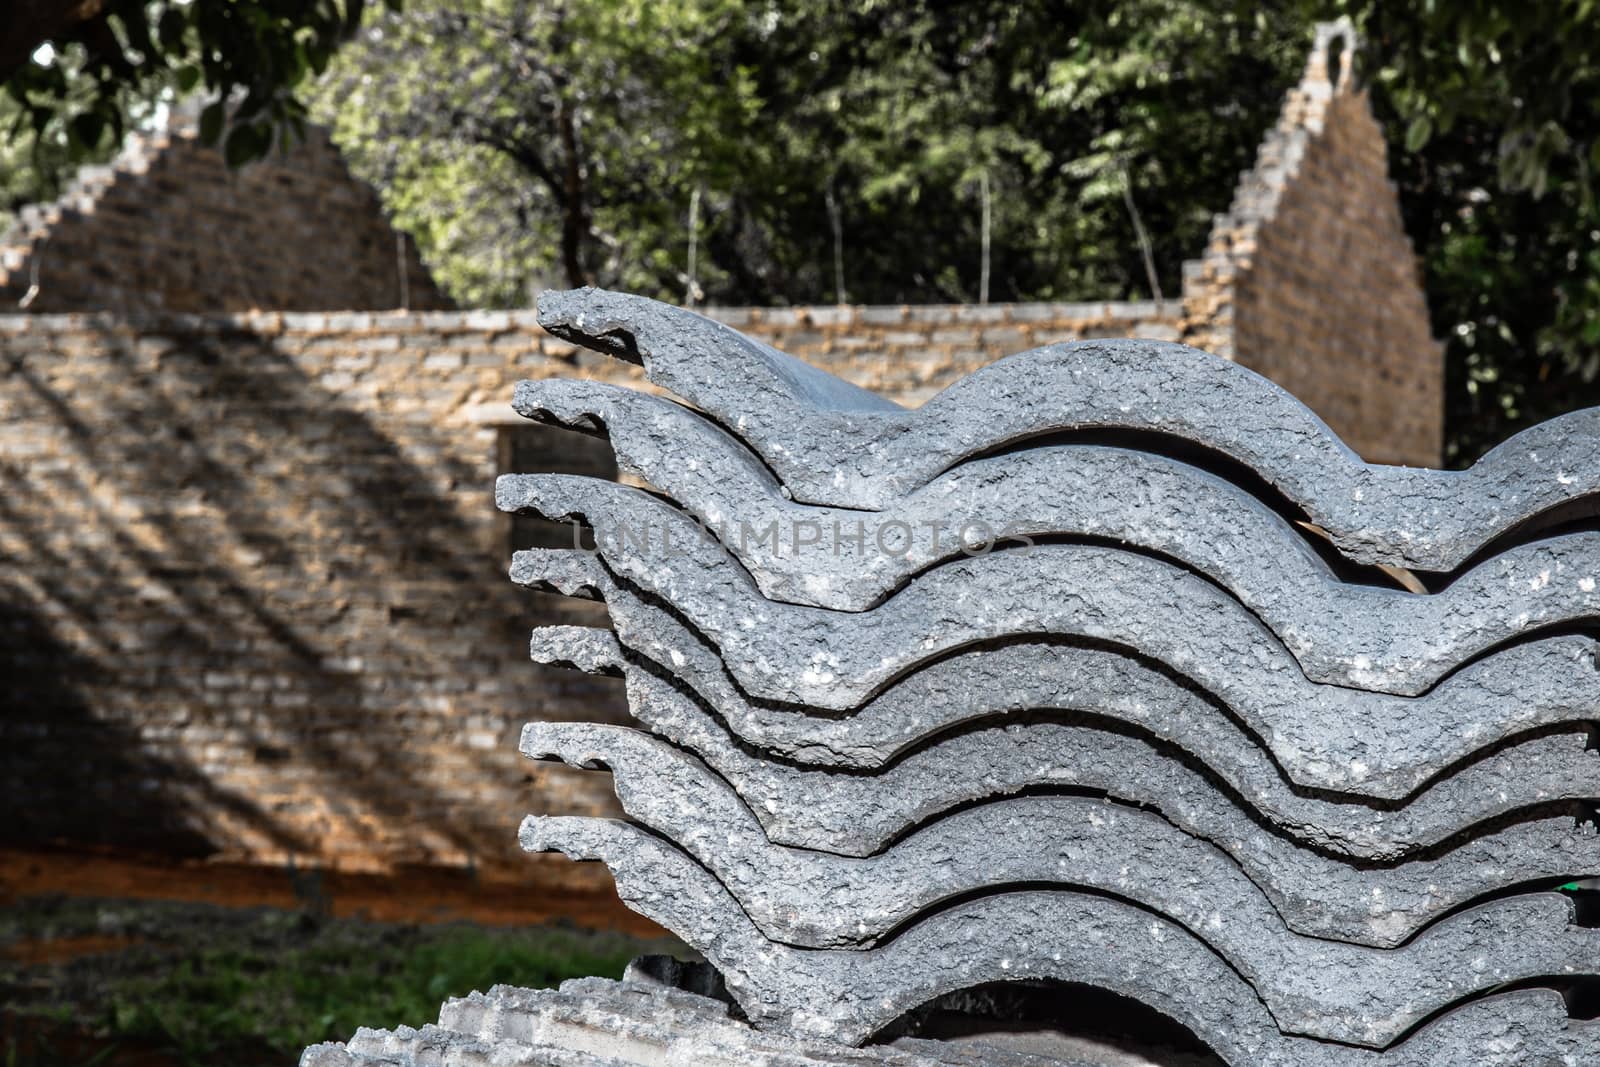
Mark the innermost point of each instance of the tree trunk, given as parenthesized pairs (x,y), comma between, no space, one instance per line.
(575,209)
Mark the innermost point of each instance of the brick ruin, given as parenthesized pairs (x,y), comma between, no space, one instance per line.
(252,588)
(1309,277)
(168,226)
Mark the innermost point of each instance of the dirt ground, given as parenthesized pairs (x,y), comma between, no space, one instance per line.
(408,896)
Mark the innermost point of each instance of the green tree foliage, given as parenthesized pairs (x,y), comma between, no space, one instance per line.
(566,142)
(32,167)
(38,153)
(841,149)
(1079,118)
(74,74)
(1491,110)
(528,142)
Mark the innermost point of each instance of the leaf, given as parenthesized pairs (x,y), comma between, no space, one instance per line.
(188,78)
(1418,133)
(246,142)
(211,122)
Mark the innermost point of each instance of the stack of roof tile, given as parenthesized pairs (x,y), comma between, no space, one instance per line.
(1109,665)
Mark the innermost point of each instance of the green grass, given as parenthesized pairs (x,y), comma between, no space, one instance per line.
(288,1000)
(213,985)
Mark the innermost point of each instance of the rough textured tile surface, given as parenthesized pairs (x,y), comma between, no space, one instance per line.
(1383,640)
(1161,739)
(594,1022)
(850,560)
(1315,894)
(1313,987)
(1322,737)
(1511,780)
(840,450)
(1013,937)
(1020,684)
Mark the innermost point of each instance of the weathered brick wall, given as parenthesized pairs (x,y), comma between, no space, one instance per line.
(1311,280)
(253,594)
(252,585)
(168,226)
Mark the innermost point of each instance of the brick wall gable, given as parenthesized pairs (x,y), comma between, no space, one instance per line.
(169,227)
(1311,280)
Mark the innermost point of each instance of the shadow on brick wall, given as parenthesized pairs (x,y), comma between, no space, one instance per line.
(248,612)
(82,780)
